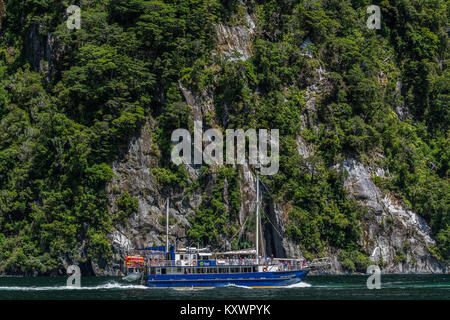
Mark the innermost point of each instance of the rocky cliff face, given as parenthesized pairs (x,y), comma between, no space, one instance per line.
(393,236)
(41,51)
(146,226)
(235,42)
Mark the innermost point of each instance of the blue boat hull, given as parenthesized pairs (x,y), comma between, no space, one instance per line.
(202,281)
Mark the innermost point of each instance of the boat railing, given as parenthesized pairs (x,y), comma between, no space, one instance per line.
(163,263)
(284,264)
(236,262)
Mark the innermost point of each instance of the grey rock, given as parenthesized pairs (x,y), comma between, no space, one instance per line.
(392,234)
(235,39)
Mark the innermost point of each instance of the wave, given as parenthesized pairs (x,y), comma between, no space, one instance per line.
(295,285)
(299,285)
(231,285)
(108,285)
(183,289)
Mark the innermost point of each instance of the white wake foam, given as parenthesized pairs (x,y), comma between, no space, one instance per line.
(116,285)
(231,285)
(109,285)
(299,285)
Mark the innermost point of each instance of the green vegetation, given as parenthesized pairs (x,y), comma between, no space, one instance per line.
(65,117)
(211,223)
(126,205)
(60,131)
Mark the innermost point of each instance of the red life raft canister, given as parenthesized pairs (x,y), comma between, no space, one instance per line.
(134,261)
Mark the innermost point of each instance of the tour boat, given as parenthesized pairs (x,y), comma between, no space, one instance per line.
(199,268)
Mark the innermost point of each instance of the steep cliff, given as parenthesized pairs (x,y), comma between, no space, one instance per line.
(86,118)
(392,236)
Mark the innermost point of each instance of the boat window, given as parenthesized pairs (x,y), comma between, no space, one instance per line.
(163,270)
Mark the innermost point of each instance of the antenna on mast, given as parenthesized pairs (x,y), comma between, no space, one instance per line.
(167,226)
(257,220)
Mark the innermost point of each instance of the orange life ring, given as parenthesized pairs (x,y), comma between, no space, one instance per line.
(194,262)
(264,269)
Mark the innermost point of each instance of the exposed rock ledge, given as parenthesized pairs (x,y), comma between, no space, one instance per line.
(398,237)
(235,39)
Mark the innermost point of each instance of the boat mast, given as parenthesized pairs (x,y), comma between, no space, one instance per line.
(167,226)
(257,220)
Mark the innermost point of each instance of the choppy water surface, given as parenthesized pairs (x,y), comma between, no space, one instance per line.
(315,287)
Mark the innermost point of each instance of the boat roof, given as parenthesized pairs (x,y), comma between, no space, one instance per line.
(238,252)
(156,248)
(193,249)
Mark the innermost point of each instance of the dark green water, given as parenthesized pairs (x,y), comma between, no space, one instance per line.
(316,287)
